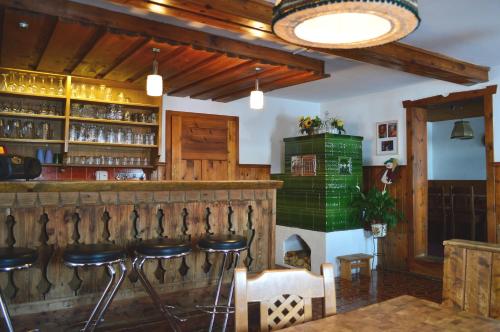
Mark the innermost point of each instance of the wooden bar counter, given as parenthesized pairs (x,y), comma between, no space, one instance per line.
(49,216)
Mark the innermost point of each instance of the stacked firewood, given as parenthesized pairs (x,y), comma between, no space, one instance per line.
(299,258)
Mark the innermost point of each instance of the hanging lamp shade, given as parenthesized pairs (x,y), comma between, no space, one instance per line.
(462,130)
(257,96)
(344,23)
(154,82)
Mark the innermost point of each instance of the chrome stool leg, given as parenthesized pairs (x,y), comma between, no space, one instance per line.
(90,321)
(138,264)
(5,312)
(236,256)
(217,294)
(123,272)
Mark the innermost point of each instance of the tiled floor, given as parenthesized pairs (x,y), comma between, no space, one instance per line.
(139,315)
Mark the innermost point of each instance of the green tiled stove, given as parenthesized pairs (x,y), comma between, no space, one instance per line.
(320,179)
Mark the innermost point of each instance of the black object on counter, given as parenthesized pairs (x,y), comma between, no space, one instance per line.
(18,167)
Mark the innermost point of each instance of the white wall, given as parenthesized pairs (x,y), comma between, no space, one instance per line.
(361,113)
(455,159)
(261,132)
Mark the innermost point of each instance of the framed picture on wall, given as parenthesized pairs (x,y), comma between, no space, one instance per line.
(387,137)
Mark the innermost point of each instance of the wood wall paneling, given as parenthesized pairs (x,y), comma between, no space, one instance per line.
(116,46)
(395,244)
(252,19)
(202,146)
(49,221)
(471,279)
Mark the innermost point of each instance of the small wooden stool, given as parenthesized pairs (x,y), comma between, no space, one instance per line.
(348,262)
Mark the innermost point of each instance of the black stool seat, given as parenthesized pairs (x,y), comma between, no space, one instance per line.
(162,247)
(223,242)
(14,257)
(92,253)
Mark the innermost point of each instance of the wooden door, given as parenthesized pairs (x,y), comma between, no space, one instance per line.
(201,146)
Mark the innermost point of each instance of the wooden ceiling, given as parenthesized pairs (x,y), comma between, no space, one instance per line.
(252,19)
(70,38)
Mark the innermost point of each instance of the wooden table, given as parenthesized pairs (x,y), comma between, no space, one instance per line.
(404,313)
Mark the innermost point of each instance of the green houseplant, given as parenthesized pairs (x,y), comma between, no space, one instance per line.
(378,209)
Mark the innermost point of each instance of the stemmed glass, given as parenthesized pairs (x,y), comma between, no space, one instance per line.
(13,85)
(43,89)
(60,89)
(52,89)
(21,88)
(33,86)
(5,83)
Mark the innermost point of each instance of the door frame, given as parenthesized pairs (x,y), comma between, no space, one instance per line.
(416,196)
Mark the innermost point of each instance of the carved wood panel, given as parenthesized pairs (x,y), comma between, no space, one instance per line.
(186,215)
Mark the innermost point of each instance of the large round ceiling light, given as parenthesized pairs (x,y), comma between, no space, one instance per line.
(344,23)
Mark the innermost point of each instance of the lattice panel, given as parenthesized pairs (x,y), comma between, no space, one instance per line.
(284,311)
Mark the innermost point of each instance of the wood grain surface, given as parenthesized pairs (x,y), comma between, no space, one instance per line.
(404,313)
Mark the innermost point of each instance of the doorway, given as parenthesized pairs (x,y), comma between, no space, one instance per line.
(424,246)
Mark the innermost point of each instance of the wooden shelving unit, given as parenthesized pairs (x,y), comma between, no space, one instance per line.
(97,101)
(32,115)
(107,166)
(121,145)
(30,95)
(137,102)
(31,140)
(116,122)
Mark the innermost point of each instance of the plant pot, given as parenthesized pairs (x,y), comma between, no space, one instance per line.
(379,230)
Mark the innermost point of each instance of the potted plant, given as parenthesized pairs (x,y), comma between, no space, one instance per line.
(308,125)
(337,126)
(379,210)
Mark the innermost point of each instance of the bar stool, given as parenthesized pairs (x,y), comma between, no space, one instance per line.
(14,259)
(225,244)
(160,248)
(96,255)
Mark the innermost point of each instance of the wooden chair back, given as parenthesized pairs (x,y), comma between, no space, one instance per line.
(284,296)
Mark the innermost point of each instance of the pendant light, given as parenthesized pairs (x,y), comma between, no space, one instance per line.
(462,130)
(344,23)
(154,86)
(257,96)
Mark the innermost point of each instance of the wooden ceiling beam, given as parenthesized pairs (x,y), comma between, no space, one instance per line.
(45,40)
(285,81)
(246,83)
(245,69)
(240,83)
(133,49)
(85,49)
(203,71)
(252,19)
(165,32)
(162,62)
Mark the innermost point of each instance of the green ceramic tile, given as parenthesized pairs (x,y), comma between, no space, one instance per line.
(321,202)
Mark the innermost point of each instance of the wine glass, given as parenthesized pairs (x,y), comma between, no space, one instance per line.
(33,86)
(13,85)
(52,89)
(92,92)
(60,88)
(43,89)
(21,87)
(5,83)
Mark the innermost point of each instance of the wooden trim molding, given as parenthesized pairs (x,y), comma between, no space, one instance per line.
(416,115)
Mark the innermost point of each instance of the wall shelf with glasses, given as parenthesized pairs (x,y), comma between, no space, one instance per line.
(116,109)
(117,122)
(31,95)
(31,140)
(108,166)
(96,101)
(121,145)
(33,115)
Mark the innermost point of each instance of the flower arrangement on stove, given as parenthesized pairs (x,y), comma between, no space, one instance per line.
(308,125)
(337,125)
